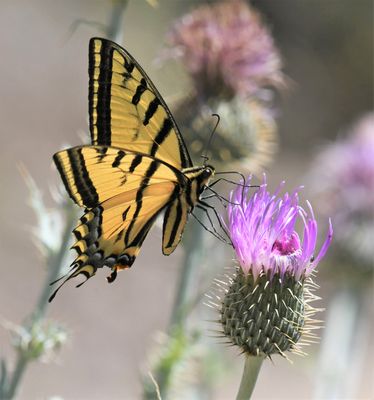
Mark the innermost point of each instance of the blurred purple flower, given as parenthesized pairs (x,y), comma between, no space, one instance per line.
(262,229)
(227,49)
(343,178)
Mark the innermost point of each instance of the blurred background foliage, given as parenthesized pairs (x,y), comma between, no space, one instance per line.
(327,52)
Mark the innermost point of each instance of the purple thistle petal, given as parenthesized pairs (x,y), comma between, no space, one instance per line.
(324,248)
(262,229)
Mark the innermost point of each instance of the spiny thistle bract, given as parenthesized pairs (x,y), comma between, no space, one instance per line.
(265,306)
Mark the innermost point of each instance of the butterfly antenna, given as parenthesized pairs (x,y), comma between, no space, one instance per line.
(205,156)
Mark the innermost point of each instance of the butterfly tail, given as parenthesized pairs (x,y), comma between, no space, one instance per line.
(89,257)
(90,253)
(86,270)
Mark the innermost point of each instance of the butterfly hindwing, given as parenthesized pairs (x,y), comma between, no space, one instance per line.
(112,233)
(126,110)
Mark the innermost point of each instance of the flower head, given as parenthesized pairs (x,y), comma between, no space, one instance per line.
(343,178)
(226,49)
(262,229)
(234,66)
(265,304)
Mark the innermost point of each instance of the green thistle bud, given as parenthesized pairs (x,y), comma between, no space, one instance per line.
(264,316)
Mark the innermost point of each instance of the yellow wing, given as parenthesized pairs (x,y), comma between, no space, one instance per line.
(126,110)
(94,174)
(112,233)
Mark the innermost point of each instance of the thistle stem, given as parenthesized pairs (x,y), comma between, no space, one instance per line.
(193,247)
(251,369)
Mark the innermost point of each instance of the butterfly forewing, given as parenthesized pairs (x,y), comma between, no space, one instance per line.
(126,109)
(94,174)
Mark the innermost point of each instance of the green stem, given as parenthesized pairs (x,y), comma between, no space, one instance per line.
(251,369)
(17,375)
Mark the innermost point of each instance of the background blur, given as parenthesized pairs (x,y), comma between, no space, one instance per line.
(327,48)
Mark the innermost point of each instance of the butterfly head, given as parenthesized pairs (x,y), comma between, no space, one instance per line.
(207,173)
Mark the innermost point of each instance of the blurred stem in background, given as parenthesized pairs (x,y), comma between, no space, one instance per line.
(344,345)
(114,29)
(180,340)
(34,339)
(193,243)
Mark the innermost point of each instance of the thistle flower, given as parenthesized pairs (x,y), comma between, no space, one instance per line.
(265,307)
(343,179)
(226,49)
(232,61)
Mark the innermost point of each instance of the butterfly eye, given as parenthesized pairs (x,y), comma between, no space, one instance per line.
(208,171)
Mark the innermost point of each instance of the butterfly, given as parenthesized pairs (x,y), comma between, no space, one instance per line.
(137,167)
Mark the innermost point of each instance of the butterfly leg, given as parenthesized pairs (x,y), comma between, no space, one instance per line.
(219,197)
(205,207)
(210,231)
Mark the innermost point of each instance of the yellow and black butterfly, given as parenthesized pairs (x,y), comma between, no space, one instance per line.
(137,166)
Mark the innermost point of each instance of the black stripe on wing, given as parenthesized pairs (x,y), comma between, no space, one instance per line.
(177,222)
(100,132)
(83,186)
(161,135)
(139,196)
(103,95)
(152,108)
